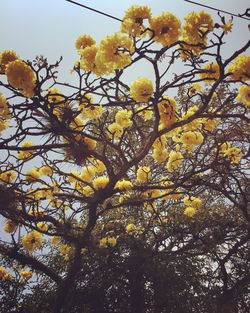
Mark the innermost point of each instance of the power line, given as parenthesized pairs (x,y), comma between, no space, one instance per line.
(86,7)
(212,8)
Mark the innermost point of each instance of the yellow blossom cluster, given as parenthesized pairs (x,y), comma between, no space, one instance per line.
(234,154)
(4,275)
(106,242)
(240,69)
(32,241)
(123,184)
(122,121)
(192,138)
(132,22)
(141,89)
(192,201)
(143,174)
(8,176)
(190,211)
(66,250)
(243,96)
(160,153)
(9,226)
(211,72)
(21,76)
(174,161)
(167,109)
(166,28)
(84,41)
(25,154)
(100,182)
(6,57)
(4,113)
(90,110)
(25,276)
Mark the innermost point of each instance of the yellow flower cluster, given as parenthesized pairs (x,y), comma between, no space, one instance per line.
(123,184)
(160,153)
(145,112)
(190,211)
(100,182)
(192,202)
(141,89)
(234,154)
(122,120)
(143,174)
(174,161)
(132,22)
(244,95)
(25,275)
(167,109)
(84,41)
(114,52)
(131,228)
(32,241)
(8,176)
(240,69)
(4,275)
(166,28)
(107,242)
(55,96)
(90,110)
(9,226)
(25,154)
(6,57)
(4,113)
(211,72)
(22,77)
(197,26)
(192,138)
(66,250)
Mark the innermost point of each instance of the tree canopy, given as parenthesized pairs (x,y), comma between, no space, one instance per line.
(128,195)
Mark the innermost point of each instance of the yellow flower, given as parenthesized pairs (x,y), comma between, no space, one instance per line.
(192,138)
(4,275)
(115,130)
(100,182)
(89,110)
(195,88)
(88,173)
(244,95)
(240,69)
(166,28)
(55,240)
(141,89)
(32,241)
(90,143)
(192,201)
(143,174)
(6,57)
(84,41)
(114,51)
(160,155)
(4,109)
(8,176)
(130,228)
(3,125)
(167,109)
(26,153)
(107,242)
(55,96)
(87,61)
(123,184)
(174,161)
(123,118)
(234,154)
(33,174)
(227,27)
(197,26)
(99,166)
(9,226)
(145,112)
(22,77)
(26,274)
(211,73)
(43,226)
(132,22)
(46,170)
(190,211)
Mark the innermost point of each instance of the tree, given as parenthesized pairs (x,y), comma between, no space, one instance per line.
(128,196)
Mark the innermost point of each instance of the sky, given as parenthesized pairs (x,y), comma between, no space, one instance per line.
(50,27)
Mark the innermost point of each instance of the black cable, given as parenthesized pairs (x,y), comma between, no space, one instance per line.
(84,6)
(212,8)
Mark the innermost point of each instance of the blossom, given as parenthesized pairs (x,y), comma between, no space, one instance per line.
(166,28)
(4,109)
(167,109)
(227,27)
(107,242)
(190,211)
(6,57)
(22,77)
(145,112)
(84,41)
(141,89)
(25,154)
(88,173)
(55,96)
(8,176)
(9,226)
(211,72)
(100,182)
(132,22)
(160,155)
(90,110)
(192,138)
(130,228)
(123,118)
(197,26)
(192,201)
(32,241)
(240,69)
(234,154)
(195,88)
(143,174)
(114,51)
(55,240)
(174,161)
(26,274)
(46,170)
(33,174)
(115,130)
(43,226)
(123,184)
(4,275)
(244,95)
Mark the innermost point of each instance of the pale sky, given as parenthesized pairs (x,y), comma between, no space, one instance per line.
(50,27)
